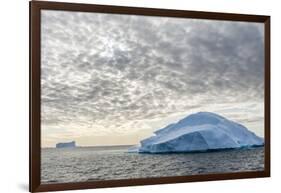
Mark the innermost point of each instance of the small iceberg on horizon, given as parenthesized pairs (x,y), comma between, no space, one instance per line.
(71,144)
(199,132)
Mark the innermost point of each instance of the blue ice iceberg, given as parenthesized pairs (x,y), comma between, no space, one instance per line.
(199,132)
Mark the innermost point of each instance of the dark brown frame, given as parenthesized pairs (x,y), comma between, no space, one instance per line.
(35,93)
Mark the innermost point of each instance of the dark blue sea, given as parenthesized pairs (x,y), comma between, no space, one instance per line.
(109,163)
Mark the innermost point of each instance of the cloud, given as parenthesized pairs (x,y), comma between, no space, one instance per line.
(118,73)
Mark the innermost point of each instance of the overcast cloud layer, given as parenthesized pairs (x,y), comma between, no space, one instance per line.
(114,79)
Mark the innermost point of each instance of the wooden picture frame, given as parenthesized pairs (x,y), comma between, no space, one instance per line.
(35,94)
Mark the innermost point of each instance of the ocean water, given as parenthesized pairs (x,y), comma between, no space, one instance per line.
(109,163)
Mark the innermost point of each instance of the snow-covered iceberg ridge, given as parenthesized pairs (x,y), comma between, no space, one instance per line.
(203,131)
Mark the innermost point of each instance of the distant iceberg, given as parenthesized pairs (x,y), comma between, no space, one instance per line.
(66,145)
(203,131)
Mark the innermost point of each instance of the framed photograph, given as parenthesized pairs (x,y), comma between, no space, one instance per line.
(123,96)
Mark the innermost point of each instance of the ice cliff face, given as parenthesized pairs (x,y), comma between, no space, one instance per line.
(202,131)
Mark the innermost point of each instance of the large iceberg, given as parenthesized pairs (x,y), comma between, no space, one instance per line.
(203,131)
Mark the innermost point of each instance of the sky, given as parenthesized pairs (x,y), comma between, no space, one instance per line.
(109,79)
